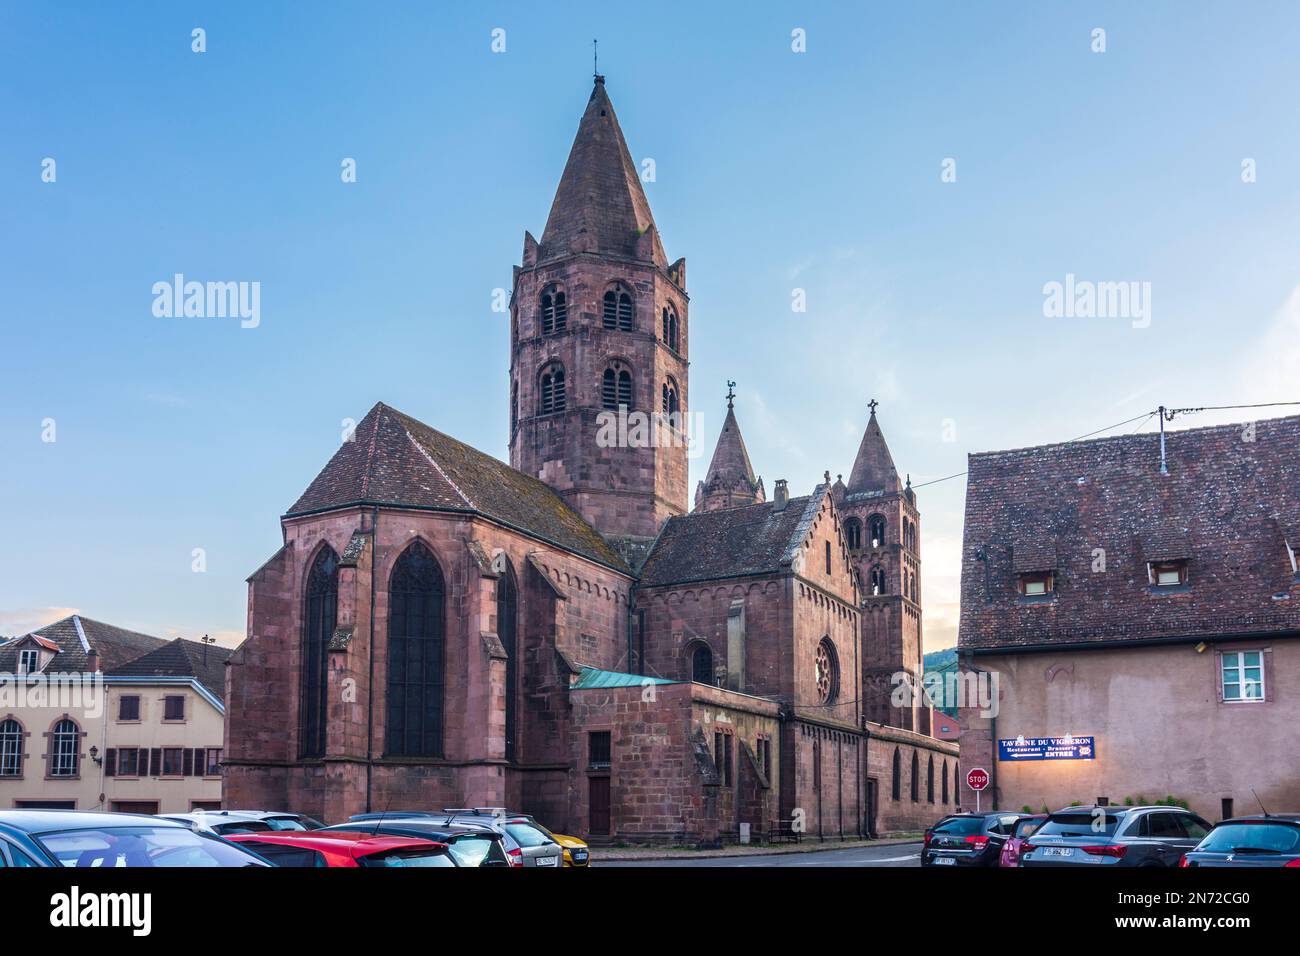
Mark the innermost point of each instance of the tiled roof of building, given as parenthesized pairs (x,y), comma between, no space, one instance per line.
(873,469)
(599,205)
(181,658)
(1096,513)
(731,542)
(75,635)
(394,459)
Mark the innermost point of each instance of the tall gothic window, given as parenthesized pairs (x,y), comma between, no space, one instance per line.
(514,406)
(853,534)
(320,615)
(929,780)
(416,646)
(916,777)
(507,631)
(670,328)
(552,397)
(65,749)
(554,310)
(876,531)
(671,404)
(616,387)
(11,748)
(618,310)
(897,787)
(943,773)
(702,664)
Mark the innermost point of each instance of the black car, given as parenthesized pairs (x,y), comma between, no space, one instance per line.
(470,845)
(1264,840)
(968,839)
(1114,836)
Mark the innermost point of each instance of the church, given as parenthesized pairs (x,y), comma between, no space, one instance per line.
(571,635)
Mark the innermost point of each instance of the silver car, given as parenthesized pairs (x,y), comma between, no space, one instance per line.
(223,822)
(524,843)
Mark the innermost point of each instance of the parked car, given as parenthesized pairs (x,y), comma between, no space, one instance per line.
(1024,828)
(1265,840)
(1114,836)
(85,838)
(576,851)
(470,845)
(223,822)
(968,839)
(526,845)
(299,848)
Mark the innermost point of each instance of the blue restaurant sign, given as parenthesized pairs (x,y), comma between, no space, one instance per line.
(1047,748)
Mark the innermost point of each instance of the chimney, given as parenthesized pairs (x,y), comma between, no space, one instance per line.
(92,660)
(780,495)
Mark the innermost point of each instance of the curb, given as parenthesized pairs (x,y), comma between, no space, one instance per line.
(617,855)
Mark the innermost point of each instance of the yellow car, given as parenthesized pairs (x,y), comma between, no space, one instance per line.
(576,852)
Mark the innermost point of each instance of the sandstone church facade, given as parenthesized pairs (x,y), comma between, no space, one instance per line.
(565,635)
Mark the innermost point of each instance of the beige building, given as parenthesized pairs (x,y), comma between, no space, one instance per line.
(96,717)
(1138,602)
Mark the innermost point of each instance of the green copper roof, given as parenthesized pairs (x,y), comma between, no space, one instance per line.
(594,677)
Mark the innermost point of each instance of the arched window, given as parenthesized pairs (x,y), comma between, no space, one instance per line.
(319,618)
(507,631)
(853,533)
(11,748)
(916,591)
(65,746)
(618,310)
(415,655)
(943,773)
(828,557)
(616,387)
(702,664)
(552,398)
(514,405)
(670,327)
(826,672)
(877,580)
(929,780)
(897,787)
(916,778)
(671,405)
(876,531)
(554,310)
(905,583)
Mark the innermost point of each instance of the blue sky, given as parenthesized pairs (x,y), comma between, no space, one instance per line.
(775,170)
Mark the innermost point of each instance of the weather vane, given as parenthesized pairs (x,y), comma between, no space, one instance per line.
(731,393)
(872,405)
(595,64)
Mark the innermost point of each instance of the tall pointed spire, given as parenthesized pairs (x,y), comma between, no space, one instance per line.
(873,469)
(599,205)
(730,480)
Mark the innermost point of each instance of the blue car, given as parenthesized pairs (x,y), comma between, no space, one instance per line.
(86,838)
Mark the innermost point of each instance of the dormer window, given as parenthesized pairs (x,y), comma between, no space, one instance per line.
(29,661)
(1037,583)
(1167,574)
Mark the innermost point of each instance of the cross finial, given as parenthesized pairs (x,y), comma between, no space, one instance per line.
(595,63)
(872,405)
(731,393)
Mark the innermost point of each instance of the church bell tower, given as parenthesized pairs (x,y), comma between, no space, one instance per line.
(598,345)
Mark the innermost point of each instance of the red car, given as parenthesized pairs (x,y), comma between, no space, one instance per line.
(344,848)
(1024,829)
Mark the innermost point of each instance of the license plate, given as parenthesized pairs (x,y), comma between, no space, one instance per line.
(547,861)
(1057,851)
(944,861)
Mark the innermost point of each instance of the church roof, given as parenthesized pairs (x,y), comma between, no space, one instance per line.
(599,205)
(732,542)
(394,459)
(873,469)
(181,658)
(595,677)
(730,458)
(75,636)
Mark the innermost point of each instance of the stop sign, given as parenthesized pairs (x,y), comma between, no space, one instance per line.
(977,778)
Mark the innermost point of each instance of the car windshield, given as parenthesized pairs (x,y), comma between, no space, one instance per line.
(1083,823)
(242,826)
(1252,837)
(961,826)
(526,835)
(284,823)
(424,858)
(142,846)
(470,851)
